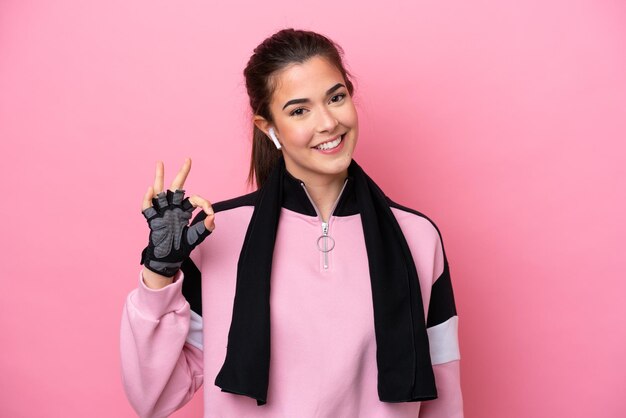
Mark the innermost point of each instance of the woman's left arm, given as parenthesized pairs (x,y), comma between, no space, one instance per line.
(442,328)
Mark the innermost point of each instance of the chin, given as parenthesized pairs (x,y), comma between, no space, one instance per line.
(337,167)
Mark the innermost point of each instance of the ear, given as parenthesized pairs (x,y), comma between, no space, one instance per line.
(261,123)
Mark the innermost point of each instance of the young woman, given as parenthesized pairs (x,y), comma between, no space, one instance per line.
(316,295)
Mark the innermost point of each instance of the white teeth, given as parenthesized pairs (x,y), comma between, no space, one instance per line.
(329,145)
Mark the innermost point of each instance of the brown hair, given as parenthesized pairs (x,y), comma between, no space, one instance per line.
(283,48)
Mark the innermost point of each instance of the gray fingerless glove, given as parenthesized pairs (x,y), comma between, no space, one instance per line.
(171,239)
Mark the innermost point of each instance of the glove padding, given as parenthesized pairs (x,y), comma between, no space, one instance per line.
(171,240)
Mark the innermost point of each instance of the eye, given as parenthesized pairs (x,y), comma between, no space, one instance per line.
(297,112)
(338,97)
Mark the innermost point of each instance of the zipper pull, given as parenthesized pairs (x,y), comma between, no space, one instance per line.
(325,248)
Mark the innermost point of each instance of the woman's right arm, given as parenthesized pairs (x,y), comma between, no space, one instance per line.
(160,370)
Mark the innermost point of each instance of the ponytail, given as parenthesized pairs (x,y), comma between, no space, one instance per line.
(264,158)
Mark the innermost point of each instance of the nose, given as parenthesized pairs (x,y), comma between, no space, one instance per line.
(326,120)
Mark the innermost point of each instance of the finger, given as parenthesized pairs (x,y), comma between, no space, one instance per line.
(158,178)
(200,202)
(147,199)
(179,181)
(209,222)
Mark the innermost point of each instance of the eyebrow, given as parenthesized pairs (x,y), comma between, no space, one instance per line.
(298,101)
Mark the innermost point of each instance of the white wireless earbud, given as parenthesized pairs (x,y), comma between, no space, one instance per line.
(273,138)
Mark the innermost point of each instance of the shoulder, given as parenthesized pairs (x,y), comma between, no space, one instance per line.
(421,233)
(411,218)
(237,202)
(418,228)
(243,201)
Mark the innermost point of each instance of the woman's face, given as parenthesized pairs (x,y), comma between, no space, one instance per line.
(315,120)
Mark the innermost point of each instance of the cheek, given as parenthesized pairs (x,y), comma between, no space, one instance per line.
(299,135)
(349,116)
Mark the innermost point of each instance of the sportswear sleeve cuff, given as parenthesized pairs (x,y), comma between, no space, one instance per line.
(154,303)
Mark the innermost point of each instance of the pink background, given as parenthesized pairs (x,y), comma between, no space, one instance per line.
(503,121)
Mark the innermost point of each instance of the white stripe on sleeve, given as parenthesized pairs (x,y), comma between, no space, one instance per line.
(195,331)
(444,341)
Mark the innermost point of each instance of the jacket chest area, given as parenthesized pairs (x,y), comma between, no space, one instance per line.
(327,290)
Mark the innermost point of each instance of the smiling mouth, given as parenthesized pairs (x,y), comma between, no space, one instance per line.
(325,146)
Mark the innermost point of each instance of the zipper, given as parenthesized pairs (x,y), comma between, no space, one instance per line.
(325,225)
(325,249)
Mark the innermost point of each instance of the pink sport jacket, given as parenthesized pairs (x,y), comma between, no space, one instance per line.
(323,346)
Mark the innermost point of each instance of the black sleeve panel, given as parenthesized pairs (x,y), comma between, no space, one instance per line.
(442,306)
(192,285)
